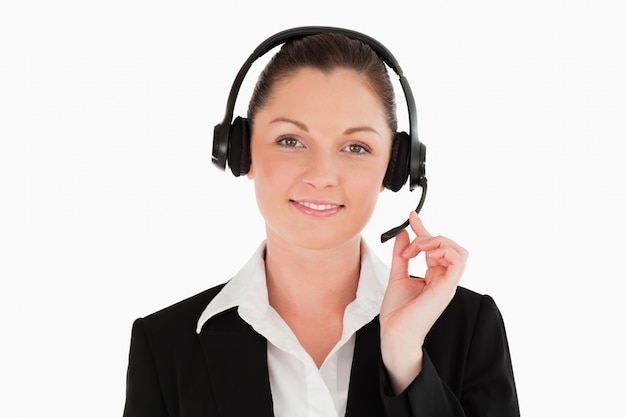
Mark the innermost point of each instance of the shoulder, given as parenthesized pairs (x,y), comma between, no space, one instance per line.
(466,308)
(456,327)
(471,321)
(470,302)
(180,317)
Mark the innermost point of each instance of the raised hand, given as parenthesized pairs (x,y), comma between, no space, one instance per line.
(411,306)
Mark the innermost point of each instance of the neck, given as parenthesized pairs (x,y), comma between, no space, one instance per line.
(311,281)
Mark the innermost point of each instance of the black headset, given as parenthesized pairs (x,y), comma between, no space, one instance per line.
(231,138)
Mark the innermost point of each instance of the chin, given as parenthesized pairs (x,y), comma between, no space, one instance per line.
(324,234)
(323,241)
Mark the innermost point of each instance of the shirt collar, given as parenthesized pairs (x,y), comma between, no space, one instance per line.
(247,290)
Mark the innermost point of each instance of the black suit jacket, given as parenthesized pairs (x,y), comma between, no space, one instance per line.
(173,371)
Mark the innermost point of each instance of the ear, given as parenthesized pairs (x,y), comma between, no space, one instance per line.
(250,173)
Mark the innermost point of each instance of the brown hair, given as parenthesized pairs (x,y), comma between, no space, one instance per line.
(326,52)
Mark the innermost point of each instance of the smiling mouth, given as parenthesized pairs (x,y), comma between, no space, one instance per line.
(318,207)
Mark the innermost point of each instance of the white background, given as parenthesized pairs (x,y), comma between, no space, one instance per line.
(111,209)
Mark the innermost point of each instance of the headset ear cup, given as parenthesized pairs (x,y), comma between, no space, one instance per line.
(239,147)
(398,168)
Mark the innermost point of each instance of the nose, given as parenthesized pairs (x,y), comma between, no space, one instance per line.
(322,170)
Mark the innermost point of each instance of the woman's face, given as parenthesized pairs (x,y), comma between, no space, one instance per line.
(319,152)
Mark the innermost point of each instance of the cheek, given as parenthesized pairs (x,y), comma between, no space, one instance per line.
(273,178)
(369,183)
(273,169)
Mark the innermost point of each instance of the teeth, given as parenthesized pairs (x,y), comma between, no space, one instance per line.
(318,206)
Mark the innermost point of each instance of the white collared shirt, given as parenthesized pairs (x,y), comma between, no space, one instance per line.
(298,387)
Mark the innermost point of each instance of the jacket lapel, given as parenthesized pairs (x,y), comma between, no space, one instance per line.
(364,395)
(236,357)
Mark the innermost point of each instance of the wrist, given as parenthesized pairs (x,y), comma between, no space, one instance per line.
(402,366)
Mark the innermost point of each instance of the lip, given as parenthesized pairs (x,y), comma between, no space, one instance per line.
(317,208)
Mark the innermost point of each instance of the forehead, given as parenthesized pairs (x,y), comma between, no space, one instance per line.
(328,104)
(334,87)
(316,76)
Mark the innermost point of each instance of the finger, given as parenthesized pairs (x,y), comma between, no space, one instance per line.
(417,225)
(399,264)
(452,262)
(436,242)
(429,243)
(445,256)
(415,247)
(421,235)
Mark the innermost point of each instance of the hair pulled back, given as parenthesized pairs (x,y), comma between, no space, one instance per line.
(326,52)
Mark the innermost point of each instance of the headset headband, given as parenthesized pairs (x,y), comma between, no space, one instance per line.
(220,147)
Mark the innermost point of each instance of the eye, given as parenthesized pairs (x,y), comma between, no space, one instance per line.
(290,142)
(357,149)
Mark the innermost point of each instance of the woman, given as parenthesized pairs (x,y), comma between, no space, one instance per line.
(315,324)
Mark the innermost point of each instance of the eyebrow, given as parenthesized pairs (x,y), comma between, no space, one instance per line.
(300,125)
(360,129)
(303,127)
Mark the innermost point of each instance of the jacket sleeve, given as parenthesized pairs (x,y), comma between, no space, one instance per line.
(488,387)
(143,391)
